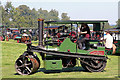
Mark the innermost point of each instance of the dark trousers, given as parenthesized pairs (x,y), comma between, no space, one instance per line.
(83,42)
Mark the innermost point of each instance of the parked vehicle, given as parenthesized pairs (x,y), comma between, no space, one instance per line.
(3,35)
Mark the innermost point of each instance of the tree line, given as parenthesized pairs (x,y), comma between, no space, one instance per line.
(23,16)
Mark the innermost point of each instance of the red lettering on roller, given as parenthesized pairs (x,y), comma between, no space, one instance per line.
(116,42)
(97,52)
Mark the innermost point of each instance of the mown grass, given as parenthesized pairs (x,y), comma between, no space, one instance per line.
(12,50)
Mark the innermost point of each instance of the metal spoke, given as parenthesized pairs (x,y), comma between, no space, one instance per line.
(20,61)
(19,70)
(23,58)
(28,64)
(26,61)
(28,69)
(19,66)
(24,71)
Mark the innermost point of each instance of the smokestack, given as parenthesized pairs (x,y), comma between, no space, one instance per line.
(40,31)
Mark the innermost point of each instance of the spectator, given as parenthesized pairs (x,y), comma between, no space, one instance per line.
(108,40)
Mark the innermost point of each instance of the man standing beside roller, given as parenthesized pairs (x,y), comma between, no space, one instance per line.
(109,41)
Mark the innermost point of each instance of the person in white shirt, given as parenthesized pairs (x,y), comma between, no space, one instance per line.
(108,40)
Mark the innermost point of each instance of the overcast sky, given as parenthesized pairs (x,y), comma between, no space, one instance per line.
(76,9)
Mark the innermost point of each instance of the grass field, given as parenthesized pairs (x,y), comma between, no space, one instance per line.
(12,50)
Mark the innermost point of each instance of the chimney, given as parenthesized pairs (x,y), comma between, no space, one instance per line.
(40,31)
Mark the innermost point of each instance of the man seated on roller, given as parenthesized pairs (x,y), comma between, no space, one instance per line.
(84,34)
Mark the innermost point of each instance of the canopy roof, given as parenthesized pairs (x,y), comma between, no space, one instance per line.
(76,21)
(113,29)
(55,27)
(52,27)
(13,28)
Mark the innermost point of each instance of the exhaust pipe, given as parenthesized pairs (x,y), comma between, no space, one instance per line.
(40,32)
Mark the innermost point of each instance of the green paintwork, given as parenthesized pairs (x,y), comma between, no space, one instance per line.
(117,46)
(118,50)
(53,64)
(109,52)
(101,48)
(69,45)
(93,42)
